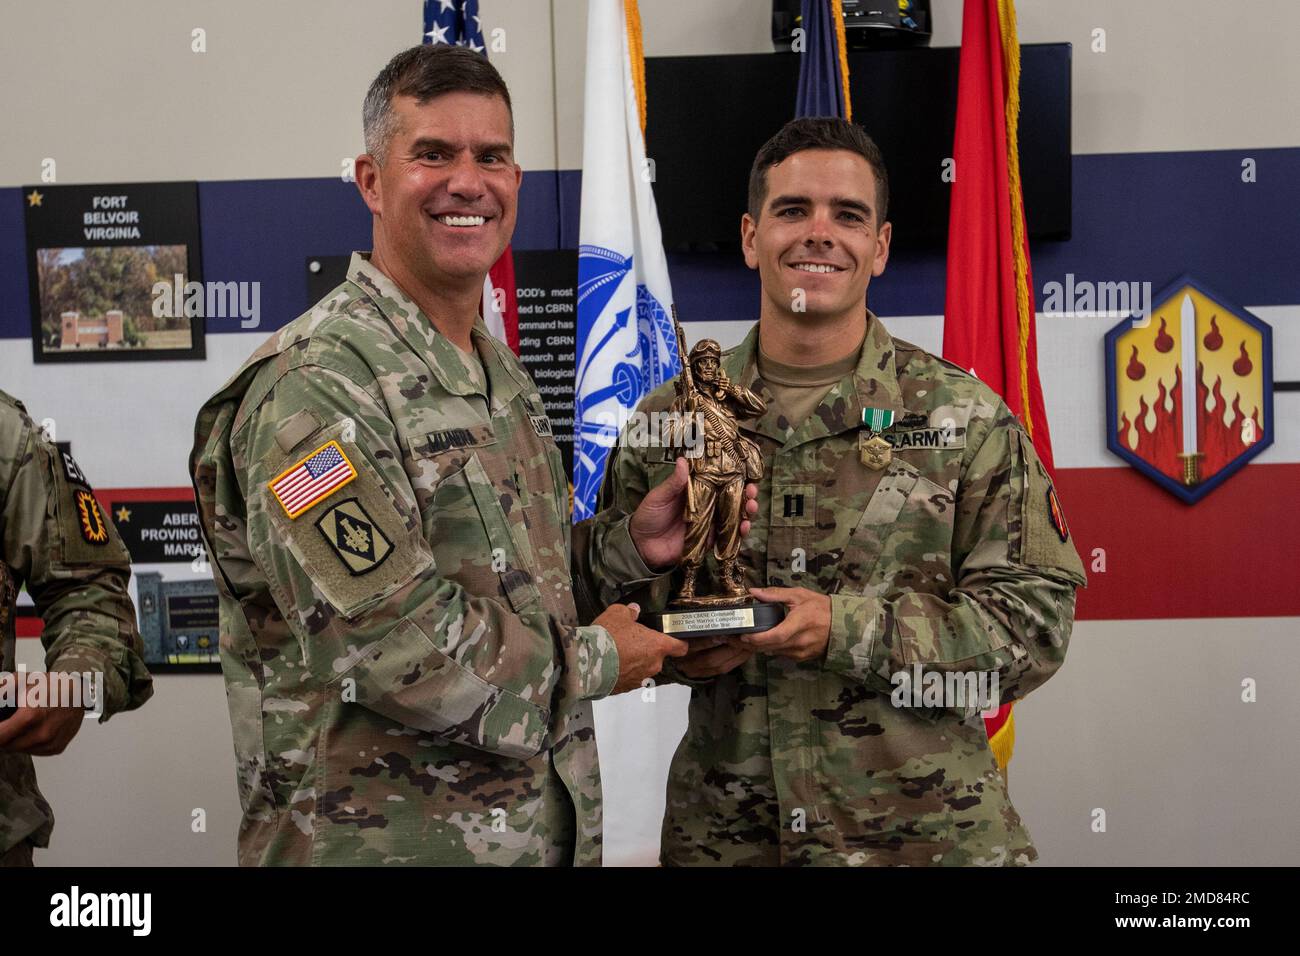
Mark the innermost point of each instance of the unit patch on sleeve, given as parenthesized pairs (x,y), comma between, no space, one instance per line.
(354,536)
(90,519)
(1056,515)
(313,479)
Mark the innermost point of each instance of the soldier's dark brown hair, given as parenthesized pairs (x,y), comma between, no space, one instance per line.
(822,132)
(426,72)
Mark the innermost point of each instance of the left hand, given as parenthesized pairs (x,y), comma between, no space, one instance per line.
(39,731)
(713,657)
(806,629)
(658,525)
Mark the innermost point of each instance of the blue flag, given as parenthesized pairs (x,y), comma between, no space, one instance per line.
(821,85)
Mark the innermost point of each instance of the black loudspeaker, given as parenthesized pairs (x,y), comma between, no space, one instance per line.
(868,24)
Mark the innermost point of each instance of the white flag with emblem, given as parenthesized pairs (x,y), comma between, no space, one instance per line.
(626,343)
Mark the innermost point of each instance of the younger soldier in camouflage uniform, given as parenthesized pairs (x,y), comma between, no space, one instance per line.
(388,521)
(947,551)
(57,541)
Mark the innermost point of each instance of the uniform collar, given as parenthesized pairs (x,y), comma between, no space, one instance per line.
(872,384)
(506,378)
(444,359)
(741,366)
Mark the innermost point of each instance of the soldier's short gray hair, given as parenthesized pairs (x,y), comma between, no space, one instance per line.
(425,72)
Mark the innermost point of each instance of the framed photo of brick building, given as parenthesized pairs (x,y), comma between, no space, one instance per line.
(112,270)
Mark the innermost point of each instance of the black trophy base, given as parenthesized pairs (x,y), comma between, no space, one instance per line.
(749,617)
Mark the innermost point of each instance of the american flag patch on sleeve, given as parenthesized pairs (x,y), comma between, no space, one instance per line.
(313,479)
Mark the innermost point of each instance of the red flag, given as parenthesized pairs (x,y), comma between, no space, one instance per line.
(500,306)
(989,306)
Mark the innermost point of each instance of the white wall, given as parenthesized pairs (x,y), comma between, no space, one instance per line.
(113,92)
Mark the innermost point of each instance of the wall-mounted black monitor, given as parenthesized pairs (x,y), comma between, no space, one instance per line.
(708,115)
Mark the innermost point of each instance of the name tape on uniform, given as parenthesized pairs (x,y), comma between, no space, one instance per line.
(541,425)
(927,438)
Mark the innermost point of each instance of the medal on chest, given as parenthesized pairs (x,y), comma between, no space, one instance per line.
(875,451)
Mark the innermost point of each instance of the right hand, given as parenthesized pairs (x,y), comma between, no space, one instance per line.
(712,657)
(641,651)
(39,731)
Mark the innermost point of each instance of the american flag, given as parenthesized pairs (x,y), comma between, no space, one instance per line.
(317,476)
(453,21)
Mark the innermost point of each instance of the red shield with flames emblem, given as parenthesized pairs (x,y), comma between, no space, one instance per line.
(1189,389)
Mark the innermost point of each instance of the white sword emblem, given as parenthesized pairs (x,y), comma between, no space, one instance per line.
(1190,411)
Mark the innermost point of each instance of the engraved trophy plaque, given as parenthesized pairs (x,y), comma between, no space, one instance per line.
(721,462)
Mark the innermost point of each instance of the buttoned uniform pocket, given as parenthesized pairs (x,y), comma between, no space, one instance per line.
(903,539)
(917,554)
(474,543)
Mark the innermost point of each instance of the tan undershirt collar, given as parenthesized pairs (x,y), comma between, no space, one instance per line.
(778,373)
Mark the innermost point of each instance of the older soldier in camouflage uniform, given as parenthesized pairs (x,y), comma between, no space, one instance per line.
(56,541)
(388,520)
(947,551)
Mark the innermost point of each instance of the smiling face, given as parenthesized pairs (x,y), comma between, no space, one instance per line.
(816,243)
(446,195)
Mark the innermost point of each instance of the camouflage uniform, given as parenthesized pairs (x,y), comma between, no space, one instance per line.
(947,557)
(58,542)
(406,675)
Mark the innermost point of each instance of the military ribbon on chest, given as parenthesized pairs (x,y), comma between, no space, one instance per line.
(876,452)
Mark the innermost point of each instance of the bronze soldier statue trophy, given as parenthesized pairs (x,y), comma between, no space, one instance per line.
(721,460)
